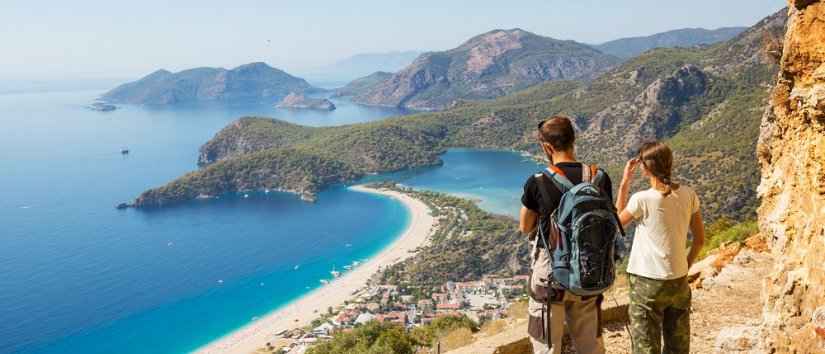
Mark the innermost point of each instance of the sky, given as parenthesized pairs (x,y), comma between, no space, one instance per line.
(91,39)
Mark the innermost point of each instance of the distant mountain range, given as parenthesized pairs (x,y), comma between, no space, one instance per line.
(360,65)
(487,66)
(254,82)
(686,37)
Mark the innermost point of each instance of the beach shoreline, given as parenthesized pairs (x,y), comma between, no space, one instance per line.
(303,310)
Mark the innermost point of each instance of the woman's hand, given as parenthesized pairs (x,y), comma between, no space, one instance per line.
(630,170)
(624,187)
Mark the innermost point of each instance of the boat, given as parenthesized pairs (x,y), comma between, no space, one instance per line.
(246,195)
(348,267)
(335,273)
(296,267)
(124,151)
(324,281)
(102,107)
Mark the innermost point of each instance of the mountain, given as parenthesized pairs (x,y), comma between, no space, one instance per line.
(490,65)
(686,37)
(705,102)
(360,65)
(362,84)
(255,82)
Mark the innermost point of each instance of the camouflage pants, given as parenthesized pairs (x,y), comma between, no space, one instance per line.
(659,309)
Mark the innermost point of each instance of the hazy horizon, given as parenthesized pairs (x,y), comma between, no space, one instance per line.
(98,40)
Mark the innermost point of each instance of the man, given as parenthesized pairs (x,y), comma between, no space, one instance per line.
(541,197)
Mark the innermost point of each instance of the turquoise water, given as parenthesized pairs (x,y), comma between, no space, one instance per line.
(78,276)
(493,178)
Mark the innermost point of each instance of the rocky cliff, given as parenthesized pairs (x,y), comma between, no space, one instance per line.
(255,82)
(792,214)
(487,66)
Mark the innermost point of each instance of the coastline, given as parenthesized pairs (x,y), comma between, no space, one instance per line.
(302,311)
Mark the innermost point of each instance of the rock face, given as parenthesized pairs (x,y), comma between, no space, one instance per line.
(792,155)
(299,101)
(487,66)
(655,113)
(686,37)
(255,82)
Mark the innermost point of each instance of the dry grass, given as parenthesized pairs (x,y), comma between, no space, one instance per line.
(518,310)
(492,328)
(457,339)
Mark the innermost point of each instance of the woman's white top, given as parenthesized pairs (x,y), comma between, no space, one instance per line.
(660,245)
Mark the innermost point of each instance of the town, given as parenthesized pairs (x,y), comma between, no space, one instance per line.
(480,301)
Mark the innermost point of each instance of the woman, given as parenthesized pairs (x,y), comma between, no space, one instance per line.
(659,261)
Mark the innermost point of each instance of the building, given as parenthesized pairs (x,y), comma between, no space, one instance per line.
(426,306)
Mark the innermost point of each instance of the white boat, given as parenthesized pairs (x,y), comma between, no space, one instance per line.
(324,281)
(246,195)
(347,267)
(296,267)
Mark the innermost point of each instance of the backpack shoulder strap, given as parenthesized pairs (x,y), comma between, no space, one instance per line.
(559,178)
(541,183)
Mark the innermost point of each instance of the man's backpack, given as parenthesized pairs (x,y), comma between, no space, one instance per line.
(583,236)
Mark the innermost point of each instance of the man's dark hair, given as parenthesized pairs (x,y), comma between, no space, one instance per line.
(558,132)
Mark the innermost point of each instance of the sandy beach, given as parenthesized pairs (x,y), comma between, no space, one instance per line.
(301,312)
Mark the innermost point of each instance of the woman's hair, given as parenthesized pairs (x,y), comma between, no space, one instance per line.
(558,132)
(657,159)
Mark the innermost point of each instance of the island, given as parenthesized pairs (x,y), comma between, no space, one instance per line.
(249,83)
(300,101)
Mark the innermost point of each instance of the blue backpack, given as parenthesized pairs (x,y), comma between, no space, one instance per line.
(582,233)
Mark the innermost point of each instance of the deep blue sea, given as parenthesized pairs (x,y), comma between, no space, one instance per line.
(78,276)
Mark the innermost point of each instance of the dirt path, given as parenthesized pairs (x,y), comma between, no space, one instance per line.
(731,298)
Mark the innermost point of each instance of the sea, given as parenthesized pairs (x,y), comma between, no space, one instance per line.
(79,276)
